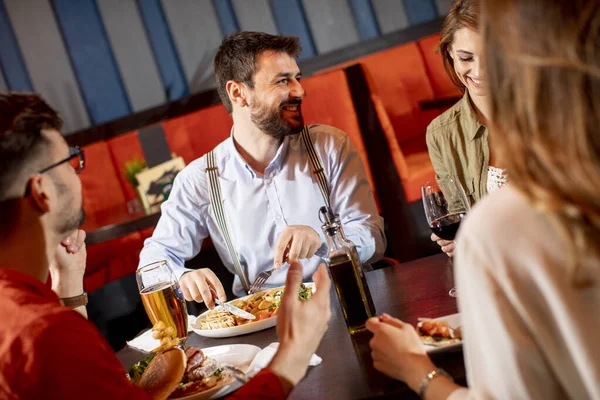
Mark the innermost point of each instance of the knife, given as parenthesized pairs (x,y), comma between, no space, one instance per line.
(235,310)
(232,309)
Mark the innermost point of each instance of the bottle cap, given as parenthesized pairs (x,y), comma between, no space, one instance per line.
(326,215)
(331,221)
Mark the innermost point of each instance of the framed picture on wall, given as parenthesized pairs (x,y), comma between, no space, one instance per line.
(155,184)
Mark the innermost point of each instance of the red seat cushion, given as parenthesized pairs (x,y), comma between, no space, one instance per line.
(100,255)
(400,79)
(329,102)
(125,148)
(421,171)
(178,139)
(413,169)
(100,180)
(102,190)
(441,83)
(195,134)
(111,260)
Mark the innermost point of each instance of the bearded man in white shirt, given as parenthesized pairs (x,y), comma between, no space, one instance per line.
(269,194)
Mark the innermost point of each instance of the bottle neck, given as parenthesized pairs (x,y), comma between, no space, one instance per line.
(335,238)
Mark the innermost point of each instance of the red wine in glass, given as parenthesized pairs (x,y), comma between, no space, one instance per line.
(445,204)
(446,227)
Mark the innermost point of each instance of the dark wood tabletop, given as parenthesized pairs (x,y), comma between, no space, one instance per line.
(408,291)
(118,221)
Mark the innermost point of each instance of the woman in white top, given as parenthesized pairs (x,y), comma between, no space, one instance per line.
(528,257)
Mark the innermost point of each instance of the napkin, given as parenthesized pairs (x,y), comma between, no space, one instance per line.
(264,357)
(145,342)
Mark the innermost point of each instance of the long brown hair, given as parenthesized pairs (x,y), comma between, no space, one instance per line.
(462,14)
(543,63)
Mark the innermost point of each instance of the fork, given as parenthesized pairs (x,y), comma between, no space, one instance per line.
(234,371)
(261,279)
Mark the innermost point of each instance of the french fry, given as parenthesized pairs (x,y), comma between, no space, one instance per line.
(170,331)
(157,334)
(159,326)
(165,340)
(160,349)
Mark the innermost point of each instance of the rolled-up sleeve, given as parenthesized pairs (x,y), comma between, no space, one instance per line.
(182,227)
(352,197)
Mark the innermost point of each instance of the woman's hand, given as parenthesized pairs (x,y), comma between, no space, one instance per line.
(397,350)
(447,246)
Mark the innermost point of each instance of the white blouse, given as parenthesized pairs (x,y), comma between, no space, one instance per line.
(529,333)
(496,178)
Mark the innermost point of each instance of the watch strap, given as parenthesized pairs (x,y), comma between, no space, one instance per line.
(75,301)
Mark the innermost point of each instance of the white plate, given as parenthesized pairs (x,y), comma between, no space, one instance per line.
(454,322)
(241,329)
(238,355)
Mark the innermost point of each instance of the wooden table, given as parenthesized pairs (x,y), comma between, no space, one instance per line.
(118,221)
(409,291)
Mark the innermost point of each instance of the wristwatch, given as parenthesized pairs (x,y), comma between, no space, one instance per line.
(75,301)
(429,377)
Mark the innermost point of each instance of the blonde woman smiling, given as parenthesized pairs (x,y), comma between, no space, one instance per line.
(528,257)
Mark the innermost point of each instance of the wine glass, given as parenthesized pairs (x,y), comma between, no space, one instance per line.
(162,299)
(446,204)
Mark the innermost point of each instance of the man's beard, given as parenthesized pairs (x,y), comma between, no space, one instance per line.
(69,218)
(272,122)
(70,223)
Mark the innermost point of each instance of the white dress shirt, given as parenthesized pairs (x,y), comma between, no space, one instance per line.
(258,207)
(528,332)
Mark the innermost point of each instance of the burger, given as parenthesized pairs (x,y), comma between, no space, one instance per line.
(177,373)
(201,373)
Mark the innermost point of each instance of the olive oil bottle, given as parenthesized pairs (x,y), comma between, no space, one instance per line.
(347,274)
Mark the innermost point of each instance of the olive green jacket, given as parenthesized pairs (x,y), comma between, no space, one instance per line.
(458,145)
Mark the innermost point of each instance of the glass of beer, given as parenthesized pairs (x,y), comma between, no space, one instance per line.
(162,298)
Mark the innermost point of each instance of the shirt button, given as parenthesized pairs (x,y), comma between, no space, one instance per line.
(278,217)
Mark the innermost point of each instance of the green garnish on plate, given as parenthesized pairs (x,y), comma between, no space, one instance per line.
(137,369)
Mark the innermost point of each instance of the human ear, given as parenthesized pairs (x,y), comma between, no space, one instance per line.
(38,194)
(236,92)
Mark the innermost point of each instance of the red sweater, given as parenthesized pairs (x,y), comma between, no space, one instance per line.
(51,352)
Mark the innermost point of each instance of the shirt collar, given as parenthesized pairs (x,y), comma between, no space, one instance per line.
(274,165)
(23,279)
(469,117)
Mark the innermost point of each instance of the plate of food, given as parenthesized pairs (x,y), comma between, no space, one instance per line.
(440,334)
(197,375)
(264,305)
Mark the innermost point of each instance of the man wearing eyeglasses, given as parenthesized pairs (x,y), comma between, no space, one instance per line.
(47,350)
(44,346)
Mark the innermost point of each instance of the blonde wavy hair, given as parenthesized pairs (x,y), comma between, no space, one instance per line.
(543,64)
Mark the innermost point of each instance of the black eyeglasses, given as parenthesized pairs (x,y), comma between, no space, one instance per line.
(76,159)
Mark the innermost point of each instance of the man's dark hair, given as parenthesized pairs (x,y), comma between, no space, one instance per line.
(237,56)
(22,118)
